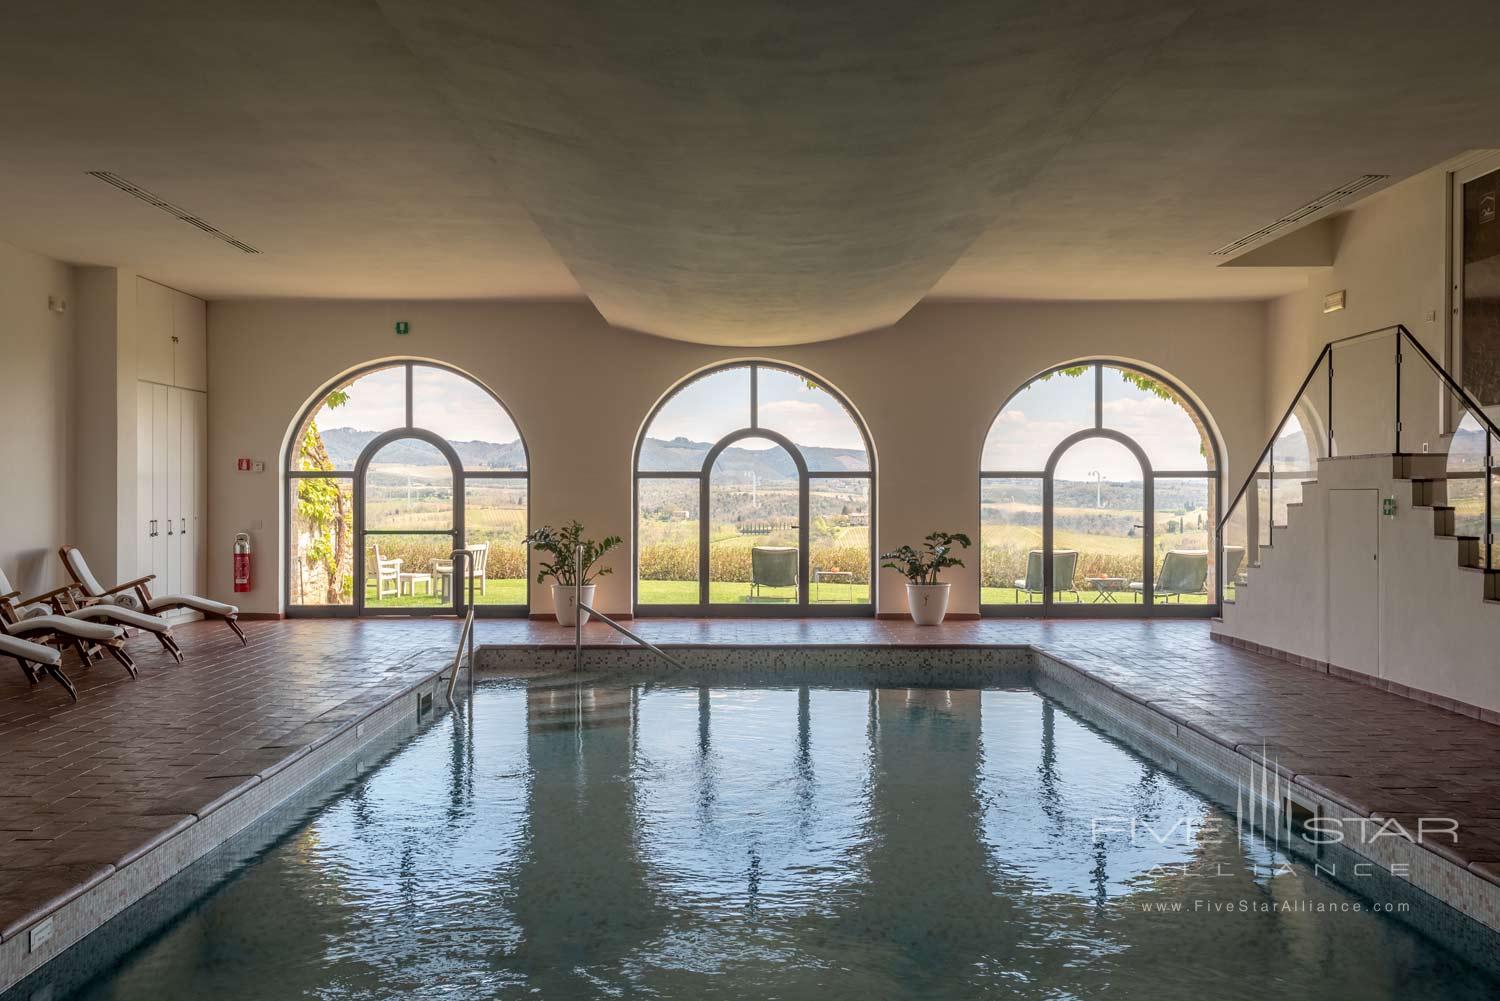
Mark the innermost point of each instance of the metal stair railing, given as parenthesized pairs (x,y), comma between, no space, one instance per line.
(463,558)
(1265,472)
(579,608)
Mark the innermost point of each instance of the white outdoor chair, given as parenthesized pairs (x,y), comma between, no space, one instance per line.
(65,601)
(386,572)
(35,658)
(136,594)
(479,554)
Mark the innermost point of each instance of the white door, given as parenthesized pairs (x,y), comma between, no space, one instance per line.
(159,506)
(173,582)
(192,499)
(1354,580)
(145,501)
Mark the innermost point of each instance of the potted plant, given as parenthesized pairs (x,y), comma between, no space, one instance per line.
(926,597)
(562,546)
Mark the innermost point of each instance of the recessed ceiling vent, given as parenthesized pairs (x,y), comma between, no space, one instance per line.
(157,201)
(1295,216)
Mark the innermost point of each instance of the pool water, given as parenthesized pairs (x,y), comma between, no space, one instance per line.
(642,838)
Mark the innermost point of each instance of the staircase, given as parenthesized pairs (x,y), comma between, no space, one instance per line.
(1389,595)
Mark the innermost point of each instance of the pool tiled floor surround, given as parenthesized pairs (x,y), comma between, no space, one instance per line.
(91,787)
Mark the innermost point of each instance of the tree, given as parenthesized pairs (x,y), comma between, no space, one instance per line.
(322,505)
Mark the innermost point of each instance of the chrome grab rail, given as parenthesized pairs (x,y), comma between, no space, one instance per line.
(579,608)
(464,558)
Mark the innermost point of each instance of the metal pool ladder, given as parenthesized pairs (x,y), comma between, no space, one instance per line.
(464,558)
(579,608)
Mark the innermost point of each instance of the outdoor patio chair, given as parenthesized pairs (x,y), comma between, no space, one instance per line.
(66,601)
(1234,557)
(1183,571)
(1064,566)
(773,566)
(61,631)
(35,658)
(386,572)
(136,594)
(479,555)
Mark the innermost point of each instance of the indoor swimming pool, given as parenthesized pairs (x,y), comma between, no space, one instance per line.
(638,836)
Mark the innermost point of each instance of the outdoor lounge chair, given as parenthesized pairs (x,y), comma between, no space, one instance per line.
(136,594)
(35,658)
(772,566)
(60,631)
(66,601)
(1183,571)
(1234,557)
(1064,566)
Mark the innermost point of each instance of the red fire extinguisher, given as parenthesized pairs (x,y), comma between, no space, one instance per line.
(242,562)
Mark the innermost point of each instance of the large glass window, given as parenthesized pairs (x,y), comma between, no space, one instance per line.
(754,495)
(392,469)
(1098,494)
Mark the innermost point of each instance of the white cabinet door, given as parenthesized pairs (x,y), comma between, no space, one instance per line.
(190,358)
(174,492)
(159,448)
(145,501)
(188,522)
(153,331)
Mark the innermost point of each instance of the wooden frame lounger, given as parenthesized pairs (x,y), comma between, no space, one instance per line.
(136,594)
(66,601)
(35,658)
(62,631)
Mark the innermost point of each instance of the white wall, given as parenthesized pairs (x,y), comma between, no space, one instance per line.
(1391,258)
(36,346)
(1432,630)
(928,389)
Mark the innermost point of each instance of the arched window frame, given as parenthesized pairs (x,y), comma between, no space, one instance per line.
(1045,476)
(356,477)
(804,606)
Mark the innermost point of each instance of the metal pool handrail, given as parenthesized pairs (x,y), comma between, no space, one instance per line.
(579,608)
(464,558)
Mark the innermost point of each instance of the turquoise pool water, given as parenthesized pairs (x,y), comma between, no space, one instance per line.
(620,838)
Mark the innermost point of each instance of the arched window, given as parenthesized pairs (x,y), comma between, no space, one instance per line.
(389,470)
(1099,492)
(754,495)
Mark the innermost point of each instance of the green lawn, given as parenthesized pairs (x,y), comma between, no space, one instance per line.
(497,592)
(1010,596)
(685,592)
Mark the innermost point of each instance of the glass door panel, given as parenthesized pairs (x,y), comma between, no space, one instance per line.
(1184,524)
(838,540)
(1010,541)
(494,533)
(1098,525)
(409,527)
(754,554)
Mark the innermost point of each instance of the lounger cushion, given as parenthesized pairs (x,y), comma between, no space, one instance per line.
(80,568)
(10,646)
(92,631)
(205,605)
(123,616)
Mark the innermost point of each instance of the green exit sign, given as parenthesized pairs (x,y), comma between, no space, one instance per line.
(402,327)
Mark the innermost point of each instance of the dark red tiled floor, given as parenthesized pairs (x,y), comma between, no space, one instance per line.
(94,784)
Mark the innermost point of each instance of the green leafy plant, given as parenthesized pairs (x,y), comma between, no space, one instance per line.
(563,545)
(921,566)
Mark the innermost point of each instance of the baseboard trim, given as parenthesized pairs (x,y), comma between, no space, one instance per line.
(261,616)
(549,617)
(950,617)
(1360,678)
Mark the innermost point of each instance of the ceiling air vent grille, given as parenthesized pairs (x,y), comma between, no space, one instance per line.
(157,201)
(1295,216)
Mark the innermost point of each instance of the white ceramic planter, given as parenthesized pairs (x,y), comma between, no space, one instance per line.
(928,603)
(563,603)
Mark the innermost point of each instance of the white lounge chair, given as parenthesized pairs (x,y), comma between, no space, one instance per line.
(387,572)
(65,601)
(62,631)
(34,657)
(136,594)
